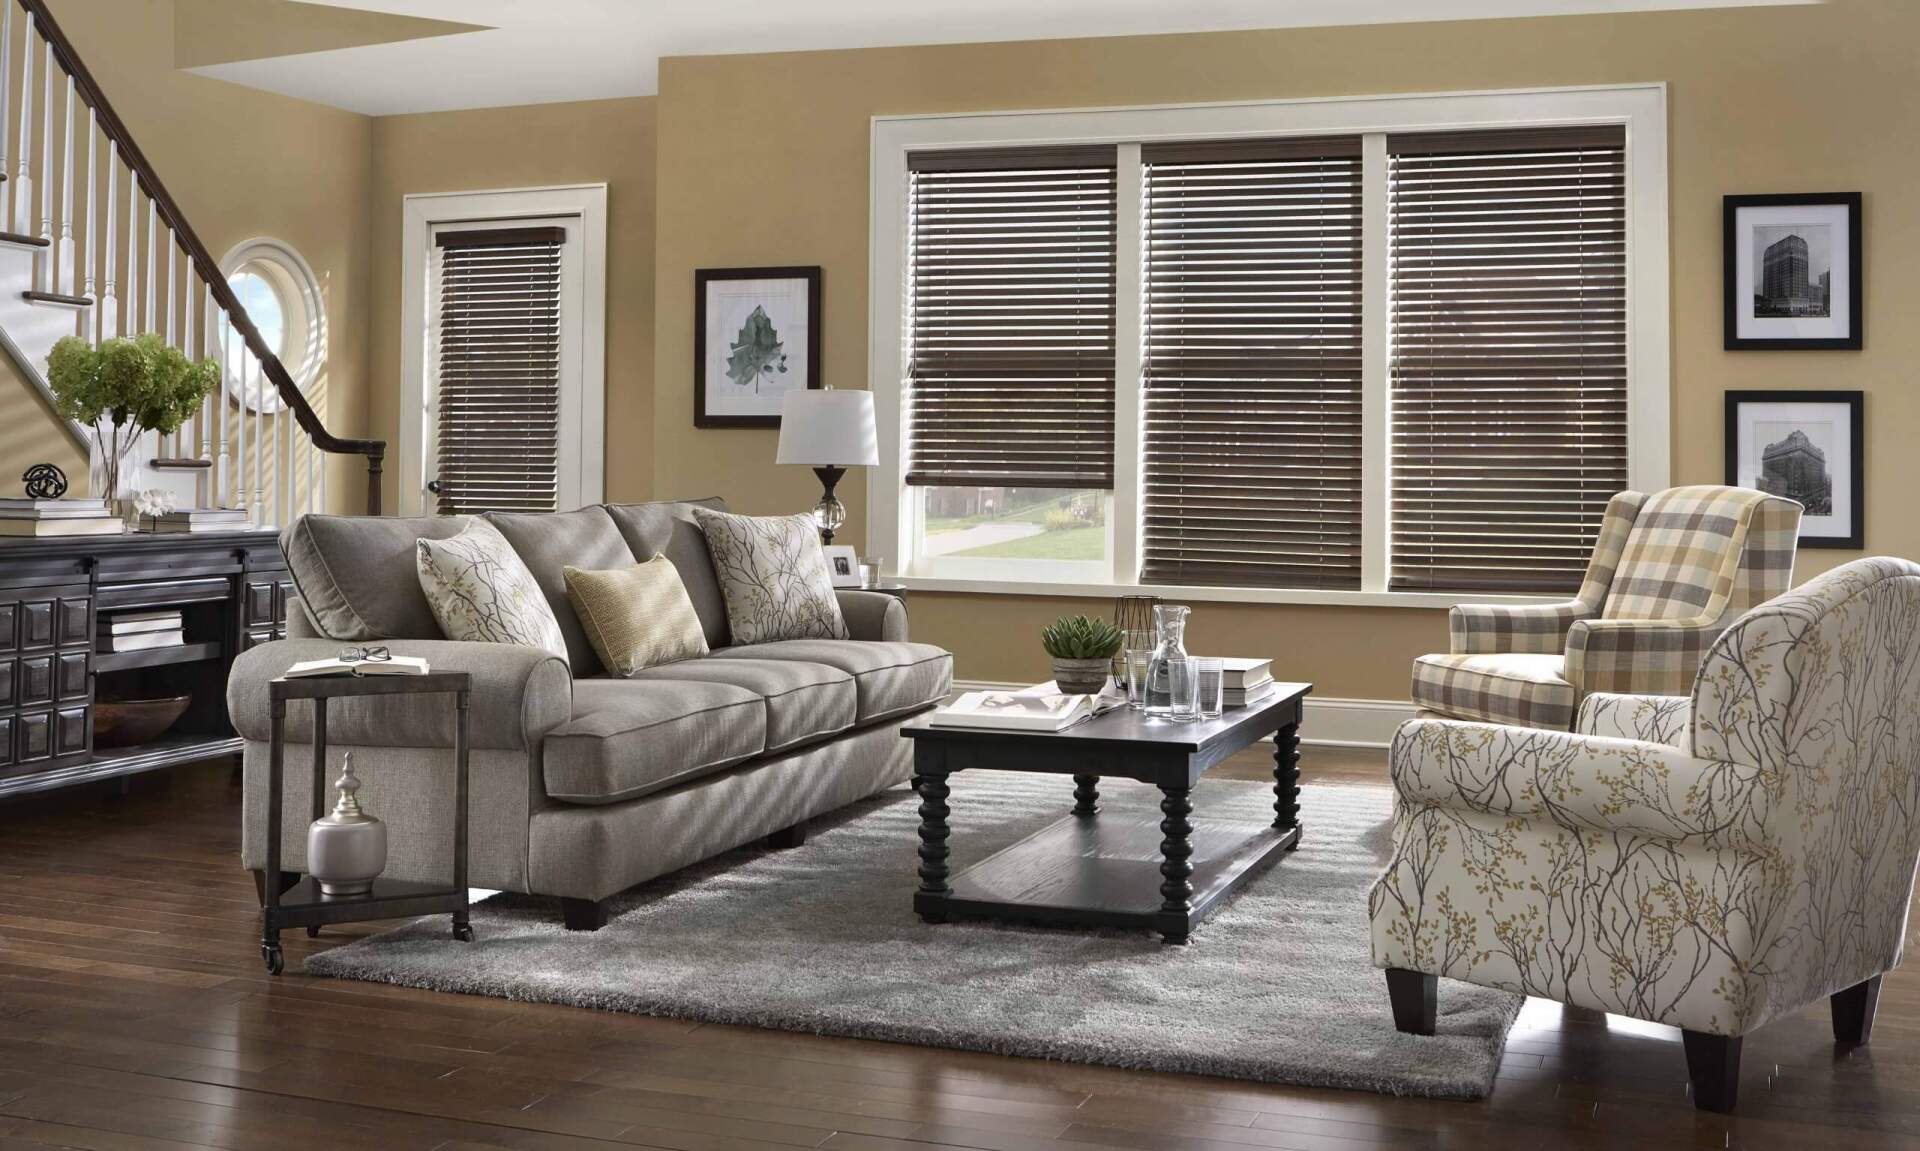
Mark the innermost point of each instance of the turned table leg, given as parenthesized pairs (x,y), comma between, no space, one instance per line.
(1286,780)
(933,839)
(1176,869)
(1086,795)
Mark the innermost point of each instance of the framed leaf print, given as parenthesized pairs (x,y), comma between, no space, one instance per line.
(756,337)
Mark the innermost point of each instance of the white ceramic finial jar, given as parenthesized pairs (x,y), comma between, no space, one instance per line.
(347,849)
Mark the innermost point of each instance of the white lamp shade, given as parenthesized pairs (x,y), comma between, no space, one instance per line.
(828,428)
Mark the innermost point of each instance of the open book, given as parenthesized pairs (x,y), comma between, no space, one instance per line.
(396,665)
(1023,711)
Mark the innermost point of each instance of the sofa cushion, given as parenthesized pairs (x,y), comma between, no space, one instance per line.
(548,543)
(805,701)
(629,738)
(889,678)
(1503,687)
(774,574)
(666,528)
(356,573)
(480,591)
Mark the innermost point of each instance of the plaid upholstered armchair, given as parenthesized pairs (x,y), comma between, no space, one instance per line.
(1669,572)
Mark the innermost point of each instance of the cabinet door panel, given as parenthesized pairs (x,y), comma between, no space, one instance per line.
(71,675)
(36,679)
(9,675)
(76,622)
(70,730)
(259,602)
(36,623)
(35,737)
(9,620)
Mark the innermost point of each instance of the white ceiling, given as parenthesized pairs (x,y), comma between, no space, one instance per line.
(551,50)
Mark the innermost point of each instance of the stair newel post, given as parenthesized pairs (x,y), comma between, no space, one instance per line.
(66,278)
(109,305)
(6,104)
(22,218)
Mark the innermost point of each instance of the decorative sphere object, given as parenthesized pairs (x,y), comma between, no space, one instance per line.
(45,481)
(347,849)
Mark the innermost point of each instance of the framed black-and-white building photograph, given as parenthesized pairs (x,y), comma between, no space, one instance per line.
(756,337)
(1793,271)
(1806,446)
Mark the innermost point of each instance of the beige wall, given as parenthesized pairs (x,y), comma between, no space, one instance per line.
(591,142)
(763,160)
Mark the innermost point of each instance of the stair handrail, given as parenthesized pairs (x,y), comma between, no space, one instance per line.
(115,129)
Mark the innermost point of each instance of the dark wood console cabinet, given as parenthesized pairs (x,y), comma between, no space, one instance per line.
(232,589)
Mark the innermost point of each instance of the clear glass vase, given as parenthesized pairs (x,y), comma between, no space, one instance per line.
(115,467)
(1169,657)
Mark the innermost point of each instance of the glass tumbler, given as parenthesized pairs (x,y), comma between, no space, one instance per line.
(1183,686)
(1138,653)
(1208,673)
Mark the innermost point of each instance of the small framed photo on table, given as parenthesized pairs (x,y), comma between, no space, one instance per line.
(1806,446)
(843,565)
(756,337)
(1792,272)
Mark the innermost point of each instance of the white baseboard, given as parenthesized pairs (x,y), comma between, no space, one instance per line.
(1330,721)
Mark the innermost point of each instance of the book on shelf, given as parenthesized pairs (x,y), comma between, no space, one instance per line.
(200,520)
(393,665)
(143,641)
(1031,710)
(21,527)
(136,622)
(27,508)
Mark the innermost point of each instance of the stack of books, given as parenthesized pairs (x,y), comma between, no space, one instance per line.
(201,520)
(141,630)
(1245,681)
(26,516)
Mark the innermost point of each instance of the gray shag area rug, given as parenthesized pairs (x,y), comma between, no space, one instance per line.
(1277,987)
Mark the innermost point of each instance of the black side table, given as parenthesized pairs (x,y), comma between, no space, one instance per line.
(303,904)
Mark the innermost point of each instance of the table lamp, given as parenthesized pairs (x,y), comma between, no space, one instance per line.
(828,431)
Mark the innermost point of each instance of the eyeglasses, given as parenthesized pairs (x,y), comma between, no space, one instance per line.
(369,654)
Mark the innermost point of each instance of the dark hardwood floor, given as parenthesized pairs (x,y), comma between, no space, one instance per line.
(135,1016)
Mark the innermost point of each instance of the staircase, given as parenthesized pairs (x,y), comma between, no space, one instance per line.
(92,245)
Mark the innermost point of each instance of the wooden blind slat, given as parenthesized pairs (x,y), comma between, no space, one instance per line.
(1011,303)
(498,370)
(1509,367)
(1252,408)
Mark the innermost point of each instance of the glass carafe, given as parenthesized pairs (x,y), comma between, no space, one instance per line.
(1170,621)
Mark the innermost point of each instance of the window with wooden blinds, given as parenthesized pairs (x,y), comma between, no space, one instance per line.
(1509,354)
(1010,367)
(1252,363)
(497,390)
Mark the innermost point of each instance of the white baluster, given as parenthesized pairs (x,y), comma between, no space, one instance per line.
(110,294)
(283,475)
(130,287)
(63,268)
(256,396)
(92,219)
(22,217)
(313,468)
(45,267)
(6,105)
(153,265)
(173,284)
(222,461)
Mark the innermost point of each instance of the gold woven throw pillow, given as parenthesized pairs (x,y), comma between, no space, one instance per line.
(636,617)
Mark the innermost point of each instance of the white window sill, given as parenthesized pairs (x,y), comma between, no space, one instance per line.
(1304,596)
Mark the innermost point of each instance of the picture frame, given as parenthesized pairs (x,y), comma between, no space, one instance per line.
(756,336)
(1807,446)
(1792,272)
(843,564)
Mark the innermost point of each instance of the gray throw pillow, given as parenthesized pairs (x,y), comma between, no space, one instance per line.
(774,576)
(480,590)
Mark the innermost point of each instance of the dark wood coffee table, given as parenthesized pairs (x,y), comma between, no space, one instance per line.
(1092,870)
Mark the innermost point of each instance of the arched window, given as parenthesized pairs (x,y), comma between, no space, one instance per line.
(282,298)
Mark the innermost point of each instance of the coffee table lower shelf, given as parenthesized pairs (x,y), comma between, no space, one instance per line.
(1105,871)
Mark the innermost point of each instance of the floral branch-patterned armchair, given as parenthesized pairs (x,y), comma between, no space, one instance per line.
(1668,572)
(1711,862)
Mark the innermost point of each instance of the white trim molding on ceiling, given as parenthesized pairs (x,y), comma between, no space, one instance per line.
(560,50)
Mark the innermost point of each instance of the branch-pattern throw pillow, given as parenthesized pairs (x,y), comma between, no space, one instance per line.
(774,576)
(636,617)
(480,590)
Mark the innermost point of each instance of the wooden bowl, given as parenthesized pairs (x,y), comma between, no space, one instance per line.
(126,722)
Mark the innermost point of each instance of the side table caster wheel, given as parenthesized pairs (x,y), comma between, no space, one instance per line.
(276,959)
(463,932)
(313,932)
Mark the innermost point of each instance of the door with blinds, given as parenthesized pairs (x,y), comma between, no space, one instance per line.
(503,366)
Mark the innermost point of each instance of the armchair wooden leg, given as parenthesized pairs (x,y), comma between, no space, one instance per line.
(584,914)
(1416,1000)
(1853,1012)
(1713,1063)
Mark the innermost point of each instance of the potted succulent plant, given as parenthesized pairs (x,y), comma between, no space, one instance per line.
(122,389)
(1082,648)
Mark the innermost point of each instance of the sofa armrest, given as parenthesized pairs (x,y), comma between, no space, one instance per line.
(1637,657)
(1533,629)
(1664,719)
(1584,783)
(873,616)
(519,694)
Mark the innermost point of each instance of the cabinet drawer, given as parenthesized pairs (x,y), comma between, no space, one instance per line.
(36,679)
(76,622)
(34,737)
(260,600)
(71,728)
(70,674)
(36,623)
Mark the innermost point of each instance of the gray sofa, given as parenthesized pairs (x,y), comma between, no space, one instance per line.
(582,785)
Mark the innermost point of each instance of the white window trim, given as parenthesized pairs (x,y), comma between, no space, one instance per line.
(303,311)
(1640,108)
(583,447)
